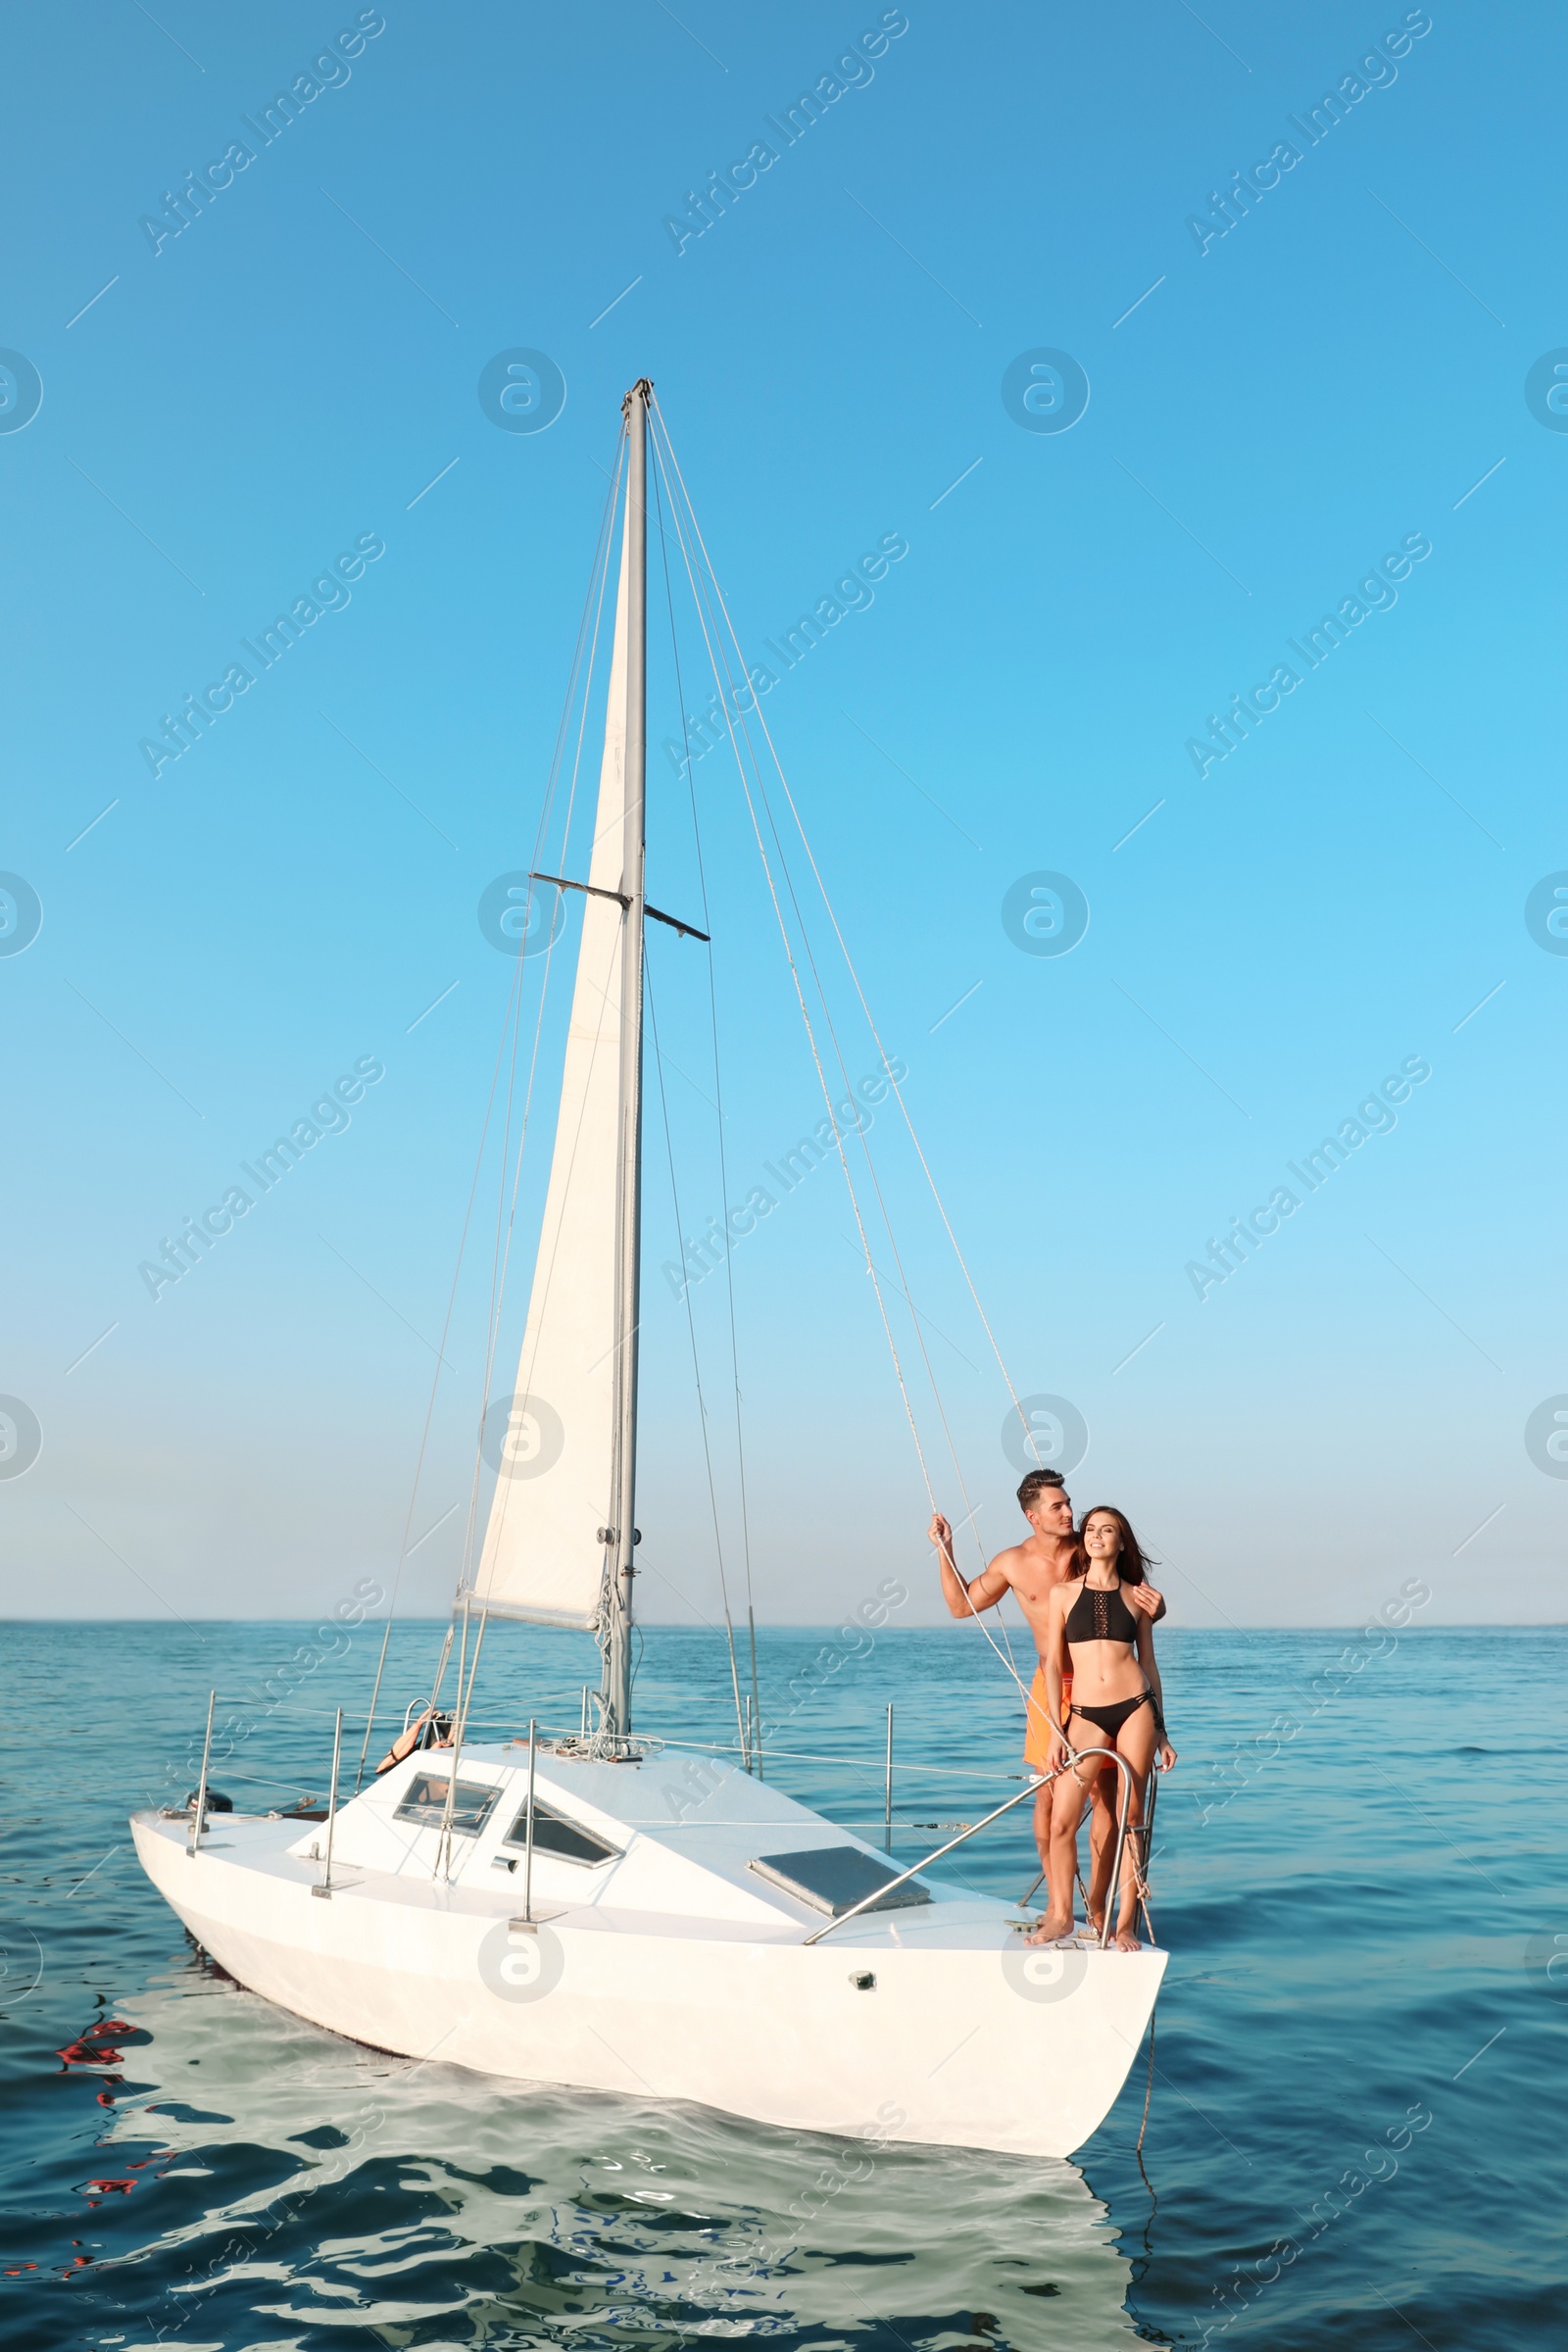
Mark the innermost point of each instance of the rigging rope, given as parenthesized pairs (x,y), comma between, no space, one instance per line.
(697,1375)
(716,625)
(511,1019)
(850,967)
(459,1730)
(800,993)
(729,700)
(501,1253)
(818,982)
(723,1176)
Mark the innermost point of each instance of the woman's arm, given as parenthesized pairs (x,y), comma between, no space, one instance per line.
(1146,1660)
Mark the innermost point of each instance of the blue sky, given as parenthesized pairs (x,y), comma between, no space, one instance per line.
(1272,413)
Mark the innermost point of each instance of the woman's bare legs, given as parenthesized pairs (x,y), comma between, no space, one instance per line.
(1096,1777)
(1068,1798)
(1102,1842)
(1103,1848)
(1136,1743)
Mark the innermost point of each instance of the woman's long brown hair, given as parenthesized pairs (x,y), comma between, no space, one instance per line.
(1130,1564)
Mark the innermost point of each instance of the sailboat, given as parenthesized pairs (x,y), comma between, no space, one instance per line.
(599,1911)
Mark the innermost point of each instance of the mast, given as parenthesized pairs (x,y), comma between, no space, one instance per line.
(628,1240)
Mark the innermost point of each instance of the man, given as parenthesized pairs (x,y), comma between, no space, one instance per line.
(1032,1570)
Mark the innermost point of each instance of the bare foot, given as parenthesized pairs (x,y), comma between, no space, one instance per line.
(1127,1942)
(1050,1928)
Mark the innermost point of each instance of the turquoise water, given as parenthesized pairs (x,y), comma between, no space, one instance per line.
(1355,2131)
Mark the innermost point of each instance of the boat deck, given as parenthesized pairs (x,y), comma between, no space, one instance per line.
(728,1902)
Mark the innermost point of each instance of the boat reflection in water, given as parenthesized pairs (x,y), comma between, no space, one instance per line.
(436,2199)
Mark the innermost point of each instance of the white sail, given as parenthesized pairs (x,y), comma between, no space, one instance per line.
(555,1448)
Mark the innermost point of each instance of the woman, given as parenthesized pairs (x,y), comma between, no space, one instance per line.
(1108,1649)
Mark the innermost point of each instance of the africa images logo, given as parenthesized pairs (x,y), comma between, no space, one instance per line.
(1044,1973)
(20,1438)
(1044,390)
(21,914)
(520,1961)
(521,390)
(1045,1433)
(21,391)
(1045,913)
(524,1436)
(1545,913)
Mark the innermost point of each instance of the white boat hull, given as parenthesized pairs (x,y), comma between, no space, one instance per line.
(964,2037)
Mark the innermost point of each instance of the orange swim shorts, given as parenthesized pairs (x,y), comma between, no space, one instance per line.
(1038,1735)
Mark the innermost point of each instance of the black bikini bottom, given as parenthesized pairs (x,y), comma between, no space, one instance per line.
(1110,1720)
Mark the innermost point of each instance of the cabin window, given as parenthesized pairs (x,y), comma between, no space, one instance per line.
(425,1801)
(554,1834)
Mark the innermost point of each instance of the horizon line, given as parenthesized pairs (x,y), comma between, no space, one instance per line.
(816,1625)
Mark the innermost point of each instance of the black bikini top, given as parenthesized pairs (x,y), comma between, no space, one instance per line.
(1101,1616)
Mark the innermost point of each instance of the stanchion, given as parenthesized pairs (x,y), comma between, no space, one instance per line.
(527,1852)
(326,1888)
(201,1786)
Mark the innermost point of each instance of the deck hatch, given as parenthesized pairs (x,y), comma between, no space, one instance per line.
(835,1878)
(554,1834)
(424,1800)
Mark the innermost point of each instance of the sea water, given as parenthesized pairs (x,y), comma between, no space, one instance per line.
(1354,2097)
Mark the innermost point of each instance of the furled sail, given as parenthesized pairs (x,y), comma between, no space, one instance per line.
(554,1441)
